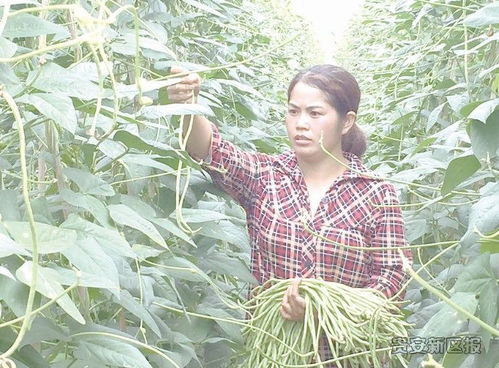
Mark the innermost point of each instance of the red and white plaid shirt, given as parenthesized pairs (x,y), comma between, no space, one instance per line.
(272,190)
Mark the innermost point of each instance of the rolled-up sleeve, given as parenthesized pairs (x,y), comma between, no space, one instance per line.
(234,170)
(388,230)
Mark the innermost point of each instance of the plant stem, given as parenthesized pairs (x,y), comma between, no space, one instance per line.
(31,220)
(442,297)
(43,307)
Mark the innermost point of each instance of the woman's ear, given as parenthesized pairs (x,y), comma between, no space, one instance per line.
(349,122)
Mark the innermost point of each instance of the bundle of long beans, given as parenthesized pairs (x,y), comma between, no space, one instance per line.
(356,322)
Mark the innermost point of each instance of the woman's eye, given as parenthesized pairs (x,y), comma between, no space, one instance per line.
(315,114)
(292,111)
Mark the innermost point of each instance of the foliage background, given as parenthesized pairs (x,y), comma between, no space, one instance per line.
(102,180)
(430,76)
(104,199)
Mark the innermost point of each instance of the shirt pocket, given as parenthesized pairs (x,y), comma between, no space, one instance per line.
(342,257)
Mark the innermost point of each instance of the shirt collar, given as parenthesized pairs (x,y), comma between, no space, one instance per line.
(287,163)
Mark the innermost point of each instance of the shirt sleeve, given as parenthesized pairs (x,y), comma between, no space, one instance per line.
(388,230)
(235,171)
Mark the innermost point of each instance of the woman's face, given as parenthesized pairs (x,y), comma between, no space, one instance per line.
(309,114)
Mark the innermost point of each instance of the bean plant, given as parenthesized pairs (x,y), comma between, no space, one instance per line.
(116,250)
(430,75)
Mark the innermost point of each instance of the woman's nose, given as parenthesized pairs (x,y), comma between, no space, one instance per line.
(302,121)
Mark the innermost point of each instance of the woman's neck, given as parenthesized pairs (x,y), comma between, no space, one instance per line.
(322,170)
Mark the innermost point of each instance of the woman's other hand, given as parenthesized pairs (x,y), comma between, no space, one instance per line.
(293,305)
(186,89)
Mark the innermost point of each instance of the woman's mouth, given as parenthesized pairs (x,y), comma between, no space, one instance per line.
(301,139)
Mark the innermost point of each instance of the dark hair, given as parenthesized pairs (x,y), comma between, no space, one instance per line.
(342,92)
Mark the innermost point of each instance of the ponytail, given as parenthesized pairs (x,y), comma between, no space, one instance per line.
(354,141)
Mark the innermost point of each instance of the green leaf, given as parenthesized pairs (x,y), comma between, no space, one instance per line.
(433,117)
(9,209)
(180,353)
(7,75)
(183,269)
(94,206)
(5,272)
(135,141)
(205,8)
(125,45)
(146,160)
(50,239)
(475,275)
(231,329)
(54,106)
(160,111)
(48,285)
(224,264)
(111,241)
(110,352)
(197,215)
(73,363)
(489,296)
(89,280)
(467,109)
(9,247)
(4,164)
(88,183)
(489,14)
(14,294)
(241,86)
(112,149)
(490,242)
(416,227)
(144,251)
(484,136)
(27,25)
(459,169)
(25,357)
(456,102)
(66,83)
(41,210)
(127,301)
(138,205)
(153,85)
(217,352)
(87,255)
(89,69)
(44,329)
(137,175)
(195,328)
(248,109)
(172,228)
(447,321)
(484,110)
(7,48)
(484,217)
(488,359)
(227,231)
(124,215)
(454,360)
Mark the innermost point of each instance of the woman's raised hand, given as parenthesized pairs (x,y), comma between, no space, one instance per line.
(186,89)
(293,305)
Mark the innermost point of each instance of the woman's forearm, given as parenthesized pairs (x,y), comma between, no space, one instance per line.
(198,142)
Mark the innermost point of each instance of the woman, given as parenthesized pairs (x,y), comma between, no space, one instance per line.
(337,197)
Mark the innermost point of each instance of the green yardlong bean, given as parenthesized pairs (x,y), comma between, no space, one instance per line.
(352,320)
